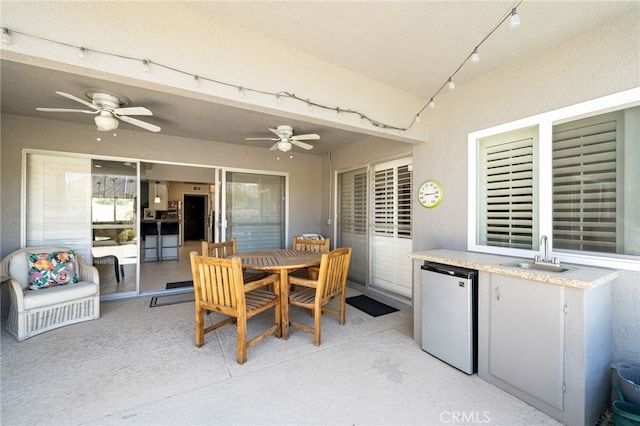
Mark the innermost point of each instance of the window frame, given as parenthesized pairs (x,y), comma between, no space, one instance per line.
(544,215)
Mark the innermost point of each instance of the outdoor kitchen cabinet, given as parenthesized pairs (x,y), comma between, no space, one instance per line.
(521,324)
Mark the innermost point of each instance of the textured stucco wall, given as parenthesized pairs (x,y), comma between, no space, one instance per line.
(603,61)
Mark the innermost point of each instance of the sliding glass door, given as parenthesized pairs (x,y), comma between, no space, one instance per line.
(254,210)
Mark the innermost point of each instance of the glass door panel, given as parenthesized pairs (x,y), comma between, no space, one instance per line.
(255,210)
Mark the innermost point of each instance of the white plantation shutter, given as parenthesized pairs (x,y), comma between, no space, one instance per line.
(585,184)
(392,201)
(383,202)
(404,201)
(391,227)
(506,194)
(353,221)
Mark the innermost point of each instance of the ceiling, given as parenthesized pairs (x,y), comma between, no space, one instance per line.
(412,46)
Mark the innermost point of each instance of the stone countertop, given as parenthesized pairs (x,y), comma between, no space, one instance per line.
(578,276)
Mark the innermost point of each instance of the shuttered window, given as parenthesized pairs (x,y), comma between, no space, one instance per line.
(405,205)
(575,180)
(585,184)
(353,202)
(507,187)
(392,204)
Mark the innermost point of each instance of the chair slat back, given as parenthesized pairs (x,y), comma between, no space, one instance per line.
(218,282)
(221,250)
(334,269)
(316,246)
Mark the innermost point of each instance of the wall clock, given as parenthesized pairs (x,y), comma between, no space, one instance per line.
(430,194)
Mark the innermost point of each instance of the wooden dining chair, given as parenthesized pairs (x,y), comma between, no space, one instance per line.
(221,250)
(227,249)
(218,286)
(316,294)
(316,246)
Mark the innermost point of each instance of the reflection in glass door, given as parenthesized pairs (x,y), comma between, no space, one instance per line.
(114,192)
(254,206)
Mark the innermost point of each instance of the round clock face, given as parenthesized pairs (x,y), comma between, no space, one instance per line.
(430,194)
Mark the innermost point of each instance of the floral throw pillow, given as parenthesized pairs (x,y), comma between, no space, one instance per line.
(51,269)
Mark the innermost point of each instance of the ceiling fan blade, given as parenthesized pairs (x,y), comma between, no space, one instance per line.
(274,147)
(77,99)
(301,144)
(261,139)
(66,110)
(140,123)
(309,137)
(132,111)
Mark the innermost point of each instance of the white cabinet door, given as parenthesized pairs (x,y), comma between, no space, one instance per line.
(526,337)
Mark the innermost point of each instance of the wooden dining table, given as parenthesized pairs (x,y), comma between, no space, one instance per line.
(280,261)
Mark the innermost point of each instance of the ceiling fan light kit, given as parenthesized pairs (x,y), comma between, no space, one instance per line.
(283,146)
(106,122)
(285,139)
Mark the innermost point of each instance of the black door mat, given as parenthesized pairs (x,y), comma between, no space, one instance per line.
(171,299)
(370,306)
(179,284)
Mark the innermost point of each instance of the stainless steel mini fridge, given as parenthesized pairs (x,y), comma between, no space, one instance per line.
(449,315)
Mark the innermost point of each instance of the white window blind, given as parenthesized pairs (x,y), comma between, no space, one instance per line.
(506,193)
(353,221)
(58,202)
(585,184)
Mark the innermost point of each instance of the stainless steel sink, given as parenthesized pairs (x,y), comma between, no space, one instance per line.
(537,266)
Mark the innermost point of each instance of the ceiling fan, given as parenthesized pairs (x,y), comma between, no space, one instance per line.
(108,109)
(285,139)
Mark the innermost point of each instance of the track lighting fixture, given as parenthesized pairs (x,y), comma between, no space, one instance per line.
(240,92)
(145,65)
(81,52)
(475,57)
(450,84)
(514,22)
(432,103)
(417,118)
(196,81)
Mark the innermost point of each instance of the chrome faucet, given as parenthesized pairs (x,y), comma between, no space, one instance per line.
(544,244)
(544,240)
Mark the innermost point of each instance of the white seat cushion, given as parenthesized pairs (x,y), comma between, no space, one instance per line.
(58,294)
